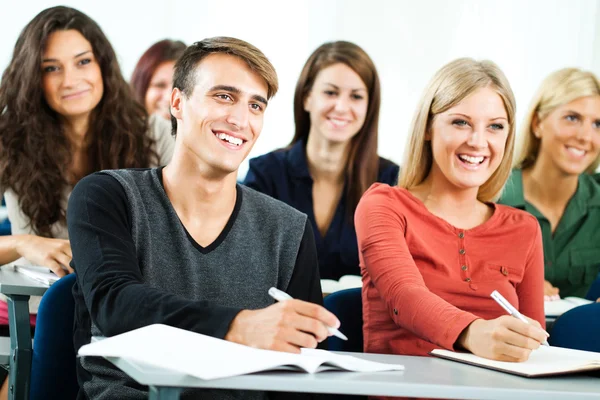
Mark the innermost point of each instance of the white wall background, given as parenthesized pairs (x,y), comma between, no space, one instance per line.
(408,41)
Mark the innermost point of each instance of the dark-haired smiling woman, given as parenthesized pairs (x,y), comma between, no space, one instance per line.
(66,112)
(152,78)
(332,159)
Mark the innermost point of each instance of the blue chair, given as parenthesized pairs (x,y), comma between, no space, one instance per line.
(347,306)
(578,328)
(53,364)
(594,292)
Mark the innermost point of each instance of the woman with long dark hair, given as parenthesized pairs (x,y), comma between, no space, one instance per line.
(66,111)
(332,159)
(152,78)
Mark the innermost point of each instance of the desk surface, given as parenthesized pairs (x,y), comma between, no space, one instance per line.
(423,377)
(13,282)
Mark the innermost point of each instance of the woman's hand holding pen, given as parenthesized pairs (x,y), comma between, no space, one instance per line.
(284,326)
(502,339)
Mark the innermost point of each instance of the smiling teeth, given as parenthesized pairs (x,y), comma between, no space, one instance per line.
(230,139)
(471,160)
(575,151)
(339,122)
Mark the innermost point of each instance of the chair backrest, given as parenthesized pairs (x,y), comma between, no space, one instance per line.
(578,328)
(347,306)
(53,374)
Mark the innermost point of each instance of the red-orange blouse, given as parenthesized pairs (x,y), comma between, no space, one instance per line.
(425,281)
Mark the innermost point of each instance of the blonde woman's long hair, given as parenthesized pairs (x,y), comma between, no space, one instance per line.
(559,88)
(449,86)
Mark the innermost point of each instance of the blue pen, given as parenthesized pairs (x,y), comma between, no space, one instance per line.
(279,295)
(511,310)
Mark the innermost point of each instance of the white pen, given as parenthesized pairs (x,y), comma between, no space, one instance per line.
(280,295)
(511,310)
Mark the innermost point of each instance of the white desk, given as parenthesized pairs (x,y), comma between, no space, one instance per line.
(423,377)
(18,288)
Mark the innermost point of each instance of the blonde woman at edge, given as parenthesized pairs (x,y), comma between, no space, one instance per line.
(554,181)
(433,248)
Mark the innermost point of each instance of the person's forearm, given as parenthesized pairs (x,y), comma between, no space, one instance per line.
(9,248)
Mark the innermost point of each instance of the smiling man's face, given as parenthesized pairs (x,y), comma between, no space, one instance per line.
(219,122)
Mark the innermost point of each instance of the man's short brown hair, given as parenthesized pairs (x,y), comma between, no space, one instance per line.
(184,76)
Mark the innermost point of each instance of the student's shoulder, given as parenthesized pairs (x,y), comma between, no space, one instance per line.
(519,220)
(98,186)
(158,128)
(512,194)
(269,207)
(592,181)
(110,180)
(383,190)
(388,171)
(382,195)
(267,162)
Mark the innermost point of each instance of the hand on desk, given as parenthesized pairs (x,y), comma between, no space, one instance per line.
(503,339)
(550,292)
(284,326)
(52,253)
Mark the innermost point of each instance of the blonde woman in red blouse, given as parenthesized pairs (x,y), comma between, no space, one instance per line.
(434,248)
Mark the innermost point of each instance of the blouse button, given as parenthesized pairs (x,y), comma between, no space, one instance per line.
(464,267)
(462,251)
(395,311)
(467,279)
(461,235)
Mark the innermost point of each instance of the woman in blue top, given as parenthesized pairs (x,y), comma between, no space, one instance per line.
(332,159)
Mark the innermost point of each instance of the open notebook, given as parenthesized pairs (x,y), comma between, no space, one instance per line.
(544,361)
(329,286)
(206,357)
(558,307)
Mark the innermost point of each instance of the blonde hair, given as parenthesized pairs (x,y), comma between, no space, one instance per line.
(449,86)
(559,88)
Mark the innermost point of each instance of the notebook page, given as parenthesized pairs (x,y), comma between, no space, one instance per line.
(545,360)
(348,363)
(198,355)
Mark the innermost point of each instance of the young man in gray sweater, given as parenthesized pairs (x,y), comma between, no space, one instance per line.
(186,246)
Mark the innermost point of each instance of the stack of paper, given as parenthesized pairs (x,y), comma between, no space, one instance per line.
(40,274)
(206,357)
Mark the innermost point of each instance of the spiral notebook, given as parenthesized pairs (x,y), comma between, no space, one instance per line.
(545,361)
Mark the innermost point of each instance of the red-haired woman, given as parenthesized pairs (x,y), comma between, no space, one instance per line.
(152,79)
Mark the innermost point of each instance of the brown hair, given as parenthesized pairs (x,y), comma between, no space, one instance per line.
(559,88)
(184,76)
(34,151)
(160,52)
(363,162)
(449,86)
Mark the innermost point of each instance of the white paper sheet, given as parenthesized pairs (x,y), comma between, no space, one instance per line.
(206,357)
(544,360)
(558,307)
